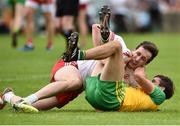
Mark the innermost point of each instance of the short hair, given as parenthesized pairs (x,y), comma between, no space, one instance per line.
(151,47)
(167,83)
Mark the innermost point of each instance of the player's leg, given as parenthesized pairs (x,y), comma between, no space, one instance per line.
(48,13)
(19,14)
(104,15)
(66,79)
(97,53)
(67,11)
(82,24)
(101,32)
(30,25)
(58,101)
(19,104)
(106,92)
(46,104)
(114,67)
(31,7)
(67,26)
(96,35)
(10,97)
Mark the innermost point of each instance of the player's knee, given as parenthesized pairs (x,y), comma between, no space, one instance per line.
(117,46)
(75,82)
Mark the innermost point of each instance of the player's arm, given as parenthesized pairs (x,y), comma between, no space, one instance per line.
(103,51)
(156,93)
(142,80)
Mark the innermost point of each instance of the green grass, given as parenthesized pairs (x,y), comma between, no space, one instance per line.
(27,72)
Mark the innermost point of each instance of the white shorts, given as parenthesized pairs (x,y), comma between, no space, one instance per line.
(46,8)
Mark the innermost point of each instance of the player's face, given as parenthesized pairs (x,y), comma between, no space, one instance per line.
(139,58)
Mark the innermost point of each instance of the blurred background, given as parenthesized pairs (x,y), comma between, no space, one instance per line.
(127,16)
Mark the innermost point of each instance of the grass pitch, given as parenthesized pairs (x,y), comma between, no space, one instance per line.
(26,72)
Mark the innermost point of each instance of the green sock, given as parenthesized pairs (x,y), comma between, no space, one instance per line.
(81,55)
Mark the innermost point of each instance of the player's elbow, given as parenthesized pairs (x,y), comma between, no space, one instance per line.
(117,46)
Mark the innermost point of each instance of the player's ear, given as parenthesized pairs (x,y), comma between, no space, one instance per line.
(162,88)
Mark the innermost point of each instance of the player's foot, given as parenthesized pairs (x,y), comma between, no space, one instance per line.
(14,40)
(71,53)
(27,48)
(2,102)
(24,106)
(49,47)
(7,90)
(104,15)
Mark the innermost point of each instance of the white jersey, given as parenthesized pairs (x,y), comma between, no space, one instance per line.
(85,68)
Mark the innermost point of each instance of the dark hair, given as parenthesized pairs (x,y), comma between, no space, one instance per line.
(151,47)
(167,83)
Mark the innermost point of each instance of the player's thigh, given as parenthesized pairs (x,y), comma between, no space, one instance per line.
(114,67)
(68,73)
(29,13)
(48,16)
(67,20)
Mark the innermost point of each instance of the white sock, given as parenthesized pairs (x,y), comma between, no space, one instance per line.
(31,98)
(8,96)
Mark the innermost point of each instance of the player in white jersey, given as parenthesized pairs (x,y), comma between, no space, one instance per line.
(67,78)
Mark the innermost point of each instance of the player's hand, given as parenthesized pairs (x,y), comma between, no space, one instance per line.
(140,71)
(127,56)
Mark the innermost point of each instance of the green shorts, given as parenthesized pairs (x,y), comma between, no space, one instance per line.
(12,2)
(104,95)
